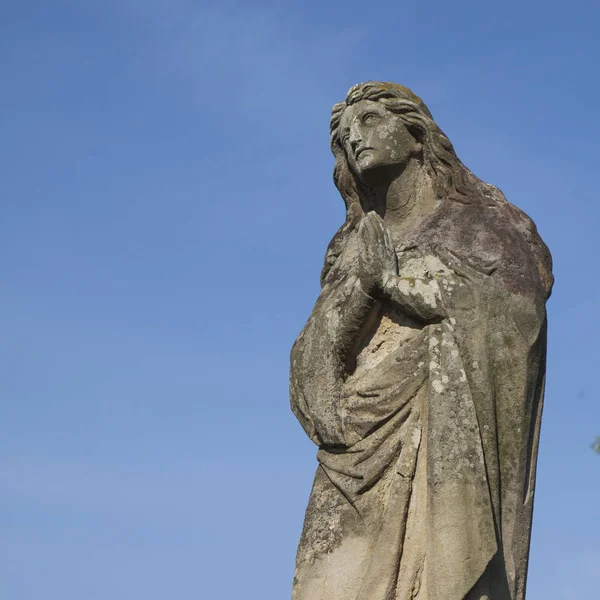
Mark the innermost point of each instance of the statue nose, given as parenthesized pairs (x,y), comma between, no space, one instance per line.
(354,139)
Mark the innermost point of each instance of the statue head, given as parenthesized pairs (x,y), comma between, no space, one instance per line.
(378,129)
(381,126)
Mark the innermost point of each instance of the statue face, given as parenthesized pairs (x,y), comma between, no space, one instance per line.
(376,141)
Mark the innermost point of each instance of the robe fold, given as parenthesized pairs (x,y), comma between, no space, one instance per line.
(428,494)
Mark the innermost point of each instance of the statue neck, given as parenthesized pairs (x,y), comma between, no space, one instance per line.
(406,199)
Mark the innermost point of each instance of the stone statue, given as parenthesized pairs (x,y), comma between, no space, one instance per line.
(420,372)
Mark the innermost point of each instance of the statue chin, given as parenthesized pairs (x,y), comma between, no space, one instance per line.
(378,173)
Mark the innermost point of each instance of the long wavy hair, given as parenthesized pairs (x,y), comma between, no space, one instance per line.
(449,176)
(451,180)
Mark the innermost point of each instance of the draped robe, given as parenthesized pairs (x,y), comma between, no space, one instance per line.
(428,444)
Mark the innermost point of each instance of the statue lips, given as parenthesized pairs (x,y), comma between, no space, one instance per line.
(360,151)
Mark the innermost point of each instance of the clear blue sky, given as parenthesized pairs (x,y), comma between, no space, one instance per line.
(166,182)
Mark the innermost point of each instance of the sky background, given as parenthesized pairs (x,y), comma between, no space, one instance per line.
(166,182)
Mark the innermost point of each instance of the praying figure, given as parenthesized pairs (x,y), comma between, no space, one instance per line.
(420,372)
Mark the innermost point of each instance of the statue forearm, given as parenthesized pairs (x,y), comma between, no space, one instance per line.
(321,355)
(419,298)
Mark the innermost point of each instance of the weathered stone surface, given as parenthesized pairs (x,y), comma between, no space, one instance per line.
(420,371)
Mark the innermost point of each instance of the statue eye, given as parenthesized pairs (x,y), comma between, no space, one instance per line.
(369,118)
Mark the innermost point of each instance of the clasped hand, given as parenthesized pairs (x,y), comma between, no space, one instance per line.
(369,255)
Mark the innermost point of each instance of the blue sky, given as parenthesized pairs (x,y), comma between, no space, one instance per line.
(168,197)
